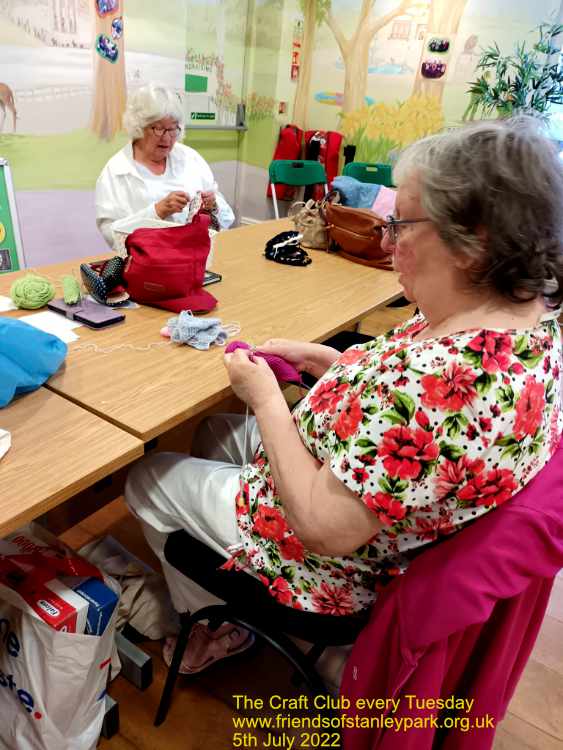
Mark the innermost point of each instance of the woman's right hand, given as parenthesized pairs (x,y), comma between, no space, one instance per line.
(304,356)
(172,204)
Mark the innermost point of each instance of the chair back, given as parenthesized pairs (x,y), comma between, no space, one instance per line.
(377,174)
(463,619)
(297,172)
(247,596)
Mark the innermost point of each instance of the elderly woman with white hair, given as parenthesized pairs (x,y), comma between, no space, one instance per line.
(411,436)
(154,177)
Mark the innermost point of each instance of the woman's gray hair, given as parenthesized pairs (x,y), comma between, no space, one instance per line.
(494,191)
(149,104)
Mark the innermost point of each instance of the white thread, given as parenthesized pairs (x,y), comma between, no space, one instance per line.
(290,241)
(245,437)
(56,284)
(244,461)
(109,349)
(231,329)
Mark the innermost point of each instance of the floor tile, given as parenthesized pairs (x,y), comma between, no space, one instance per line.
(515,734)
(549,645)
(555,607)
(539,699)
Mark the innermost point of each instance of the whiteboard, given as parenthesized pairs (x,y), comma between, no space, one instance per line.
(11,249)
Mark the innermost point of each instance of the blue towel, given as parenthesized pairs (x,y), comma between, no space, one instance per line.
(355,193)
(28,357)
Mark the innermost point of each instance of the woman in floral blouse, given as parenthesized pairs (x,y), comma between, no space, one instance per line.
(405,439)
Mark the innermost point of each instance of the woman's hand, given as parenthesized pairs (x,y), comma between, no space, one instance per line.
(209,200)
(172,204)
(305,357)
(252,380)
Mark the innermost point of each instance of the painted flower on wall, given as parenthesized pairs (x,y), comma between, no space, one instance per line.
(381,128)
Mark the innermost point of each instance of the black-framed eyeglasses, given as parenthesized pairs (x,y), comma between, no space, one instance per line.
(394,226)
(172,132)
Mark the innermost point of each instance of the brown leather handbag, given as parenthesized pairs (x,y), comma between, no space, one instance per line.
(357,234)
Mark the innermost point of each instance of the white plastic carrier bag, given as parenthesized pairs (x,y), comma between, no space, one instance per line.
(52,676)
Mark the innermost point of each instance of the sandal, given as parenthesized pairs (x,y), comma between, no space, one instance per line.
(206,647)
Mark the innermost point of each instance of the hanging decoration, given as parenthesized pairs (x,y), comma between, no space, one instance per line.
(117,28)
(105,7)
(438,49)
(440,46)
(106,48)
(296,49)
(433,68)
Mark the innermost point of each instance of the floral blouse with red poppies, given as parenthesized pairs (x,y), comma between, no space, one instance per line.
(428,434)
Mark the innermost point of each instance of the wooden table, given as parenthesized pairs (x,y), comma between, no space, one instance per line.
(58,449)
(148,392)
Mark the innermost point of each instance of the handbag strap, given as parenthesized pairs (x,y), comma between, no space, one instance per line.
(332,197)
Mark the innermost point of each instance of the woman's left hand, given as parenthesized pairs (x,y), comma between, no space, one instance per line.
(209,201)
(251,379)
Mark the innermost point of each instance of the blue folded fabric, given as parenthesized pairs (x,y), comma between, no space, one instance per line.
(355,193)
(28,357)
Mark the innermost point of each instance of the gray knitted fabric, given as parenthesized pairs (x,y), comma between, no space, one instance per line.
(197,332)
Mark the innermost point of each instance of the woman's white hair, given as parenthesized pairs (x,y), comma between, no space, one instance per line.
(149,104)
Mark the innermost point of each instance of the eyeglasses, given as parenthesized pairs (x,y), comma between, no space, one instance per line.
(172,132)
(394,227)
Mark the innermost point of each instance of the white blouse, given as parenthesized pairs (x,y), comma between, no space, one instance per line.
(126,190)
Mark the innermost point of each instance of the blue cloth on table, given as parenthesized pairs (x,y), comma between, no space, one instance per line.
(355,193)
(28,357)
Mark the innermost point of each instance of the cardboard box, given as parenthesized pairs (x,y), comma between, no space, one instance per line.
(52,601)
(101,602)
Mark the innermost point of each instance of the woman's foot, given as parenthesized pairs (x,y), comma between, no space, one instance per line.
(206,647)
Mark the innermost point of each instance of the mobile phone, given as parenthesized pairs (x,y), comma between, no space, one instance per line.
(88,312)
(211,278)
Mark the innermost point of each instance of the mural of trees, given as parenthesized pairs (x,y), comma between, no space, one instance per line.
(354,50)
(314,11)
(110,89)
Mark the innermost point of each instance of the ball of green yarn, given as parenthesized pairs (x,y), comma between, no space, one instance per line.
(32,292)
(71,290)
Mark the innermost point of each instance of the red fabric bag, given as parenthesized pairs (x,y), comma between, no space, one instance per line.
(327,151)
(165,267)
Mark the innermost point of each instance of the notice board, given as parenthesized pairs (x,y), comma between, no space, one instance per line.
(11,250)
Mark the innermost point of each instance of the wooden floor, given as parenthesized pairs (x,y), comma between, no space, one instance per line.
(202,712)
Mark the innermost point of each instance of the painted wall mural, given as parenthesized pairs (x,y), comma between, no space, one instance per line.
(380,131)
(391,72)
(65,71)
(382,72)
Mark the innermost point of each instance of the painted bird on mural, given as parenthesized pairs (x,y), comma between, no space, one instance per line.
(7,102)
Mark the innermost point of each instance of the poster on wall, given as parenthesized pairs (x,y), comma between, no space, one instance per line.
(215,62)
(200,85)
(11,250)
(296,49)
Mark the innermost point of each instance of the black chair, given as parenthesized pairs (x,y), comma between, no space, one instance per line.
(249,605)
